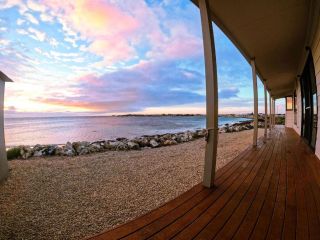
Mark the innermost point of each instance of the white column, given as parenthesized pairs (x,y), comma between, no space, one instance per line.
(255,103)
(211,95)
(3,153)
(270,112)
(265,111)
(272,116)
(274,112)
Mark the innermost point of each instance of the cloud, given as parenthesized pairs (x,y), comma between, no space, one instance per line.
(145,85)
(20,21)
(115,30)
(228,93)
(34,6)
(22,31)
(31,18)
(36,34)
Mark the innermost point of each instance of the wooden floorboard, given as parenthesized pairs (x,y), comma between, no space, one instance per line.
(268,192)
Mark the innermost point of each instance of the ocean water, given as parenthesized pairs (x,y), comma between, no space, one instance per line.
(59,130)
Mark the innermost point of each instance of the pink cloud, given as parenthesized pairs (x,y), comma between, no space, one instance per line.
(107,27)
(115,29)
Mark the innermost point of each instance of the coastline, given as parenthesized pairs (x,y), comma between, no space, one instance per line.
(119,144)
(51,191)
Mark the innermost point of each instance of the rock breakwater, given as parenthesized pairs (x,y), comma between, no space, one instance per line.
(119,144)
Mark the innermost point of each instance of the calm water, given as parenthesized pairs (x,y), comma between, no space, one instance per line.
(31,131)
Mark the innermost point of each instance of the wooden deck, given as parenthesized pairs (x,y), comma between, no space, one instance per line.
(268,192)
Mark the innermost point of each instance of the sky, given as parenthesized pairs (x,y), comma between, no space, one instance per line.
(104,57)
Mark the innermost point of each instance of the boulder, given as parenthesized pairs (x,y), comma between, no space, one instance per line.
(26,152)
(153,143)
(79,146)
(117,145)
(133,145)
(68,150)
(142,141)
(95,147)
(39,153)
(122,139)
(38,147)
(84,151)
(58,151)
(169,142)
(50,150)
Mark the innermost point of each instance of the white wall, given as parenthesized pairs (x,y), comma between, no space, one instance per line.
(289,119)
(315,47)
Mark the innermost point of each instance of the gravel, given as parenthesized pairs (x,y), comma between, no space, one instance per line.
(72,198)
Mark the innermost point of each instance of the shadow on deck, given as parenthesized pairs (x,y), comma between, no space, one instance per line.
(268,192)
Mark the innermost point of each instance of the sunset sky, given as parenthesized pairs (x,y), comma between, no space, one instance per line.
(102,57)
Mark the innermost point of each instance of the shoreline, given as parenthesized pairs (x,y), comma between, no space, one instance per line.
(96,188)
(79,148)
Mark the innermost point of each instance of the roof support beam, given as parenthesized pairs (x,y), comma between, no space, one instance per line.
(211,95)
(255,102)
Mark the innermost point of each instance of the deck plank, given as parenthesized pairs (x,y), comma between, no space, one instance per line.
(249,222)
(268,192)
(276,224)
(240,202)
(249,202)
(193,229)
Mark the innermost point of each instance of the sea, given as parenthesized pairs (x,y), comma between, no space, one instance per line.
(59,130)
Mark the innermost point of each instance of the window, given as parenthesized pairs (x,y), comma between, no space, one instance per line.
(289,104)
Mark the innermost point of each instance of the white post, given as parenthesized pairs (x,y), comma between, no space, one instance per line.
(211,95)
(4,169)
(272,116)
(255,103)
(270,112)
(265,111)
(274,112)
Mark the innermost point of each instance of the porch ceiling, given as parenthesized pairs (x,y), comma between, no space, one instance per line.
(274,32)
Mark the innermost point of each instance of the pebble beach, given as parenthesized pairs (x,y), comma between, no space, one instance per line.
(63,197)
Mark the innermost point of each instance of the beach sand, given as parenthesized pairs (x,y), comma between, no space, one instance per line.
(72,198)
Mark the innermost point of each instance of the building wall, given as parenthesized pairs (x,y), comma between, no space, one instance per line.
(289,119)
(315,47)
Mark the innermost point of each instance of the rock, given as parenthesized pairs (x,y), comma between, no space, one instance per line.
(50,150)
(37,148)
(166,136)
(83,151)
(80,146)
(133,145)
(153,143)
(184,137)
(58,151)
(68,150)
(107,145)
(95,147)
(26,152)
(121,139)
(143,141)
(117,145)
(170,142)
(39,153)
